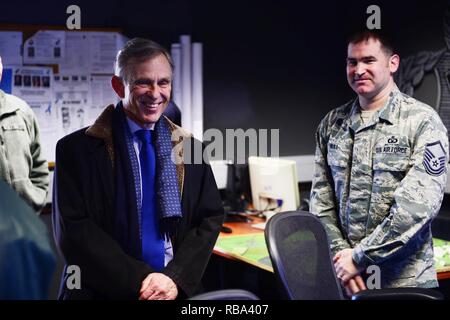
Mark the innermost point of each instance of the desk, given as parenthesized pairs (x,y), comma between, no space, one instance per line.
(247,244)
(231,269)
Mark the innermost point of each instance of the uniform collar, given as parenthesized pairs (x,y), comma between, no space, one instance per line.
(386,113)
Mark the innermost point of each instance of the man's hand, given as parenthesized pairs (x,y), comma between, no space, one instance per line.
(355,285)
(344,266)
(158,286)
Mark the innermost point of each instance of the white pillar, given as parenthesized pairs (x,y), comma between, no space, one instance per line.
(186,86)
(197,90)
(176,82)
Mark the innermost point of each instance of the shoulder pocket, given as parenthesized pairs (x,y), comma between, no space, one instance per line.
(391,153)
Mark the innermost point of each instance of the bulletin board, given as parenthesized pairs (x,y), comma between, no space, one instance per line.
(63,75)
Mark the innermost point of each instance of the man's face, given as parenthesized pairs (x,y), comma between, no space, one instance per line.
(369,69)
(147,93)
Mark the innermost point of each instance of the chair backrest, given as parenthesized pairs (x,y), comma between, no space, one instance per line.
(301,258)
(227,294)
(406,293)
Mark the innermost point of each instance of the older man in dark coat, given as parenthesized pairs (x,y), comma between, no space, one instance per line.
(135,215)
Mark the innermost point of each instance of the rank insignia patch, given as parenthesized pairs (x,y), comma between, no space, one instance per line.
(434,158)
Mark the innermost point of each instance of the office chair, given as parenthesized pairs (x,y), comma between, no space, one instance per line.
(227,294)
(302,261)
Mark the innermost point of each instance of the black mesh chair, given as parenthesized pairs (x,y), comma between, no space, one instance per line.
(227,294)
(301,258)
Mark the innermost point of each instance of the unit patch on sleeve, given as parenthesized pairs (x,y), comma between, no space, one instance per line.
(434,159)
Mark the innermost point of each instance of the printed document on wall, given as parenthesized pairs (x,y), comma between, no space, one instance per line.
(103,50)
(45,47)
(76,60)
(72,102)
(34,85)
(10,44)
(102,94)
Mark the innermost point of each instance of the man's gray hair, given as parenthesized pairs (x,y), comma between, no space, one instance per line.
(135,51)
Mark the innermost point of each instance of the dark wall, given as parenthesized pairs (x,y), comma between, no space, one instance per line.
(283,65)
(268,64)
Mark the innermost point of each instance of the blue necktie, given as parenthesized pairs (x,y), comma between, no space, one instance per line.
(152,241)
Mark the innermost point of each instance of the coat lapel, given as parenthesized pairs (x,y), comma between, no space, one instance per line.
(104,161)
(178,136)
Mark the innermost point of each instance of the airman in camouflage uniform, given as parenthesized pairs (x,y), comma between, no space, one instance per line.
(378,185)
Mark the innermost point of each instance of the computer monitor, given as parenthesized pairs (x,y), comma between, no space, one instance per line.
(233,183)
(274,184)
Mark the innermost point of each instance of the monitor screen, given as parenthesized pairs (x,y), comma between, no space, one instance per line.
(274,184)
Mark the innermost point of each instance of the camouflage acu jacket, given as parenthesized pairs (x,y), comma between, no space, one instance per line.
(378,185)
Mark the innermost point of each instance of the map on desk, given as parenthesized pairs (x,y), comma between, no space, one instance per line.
(252,249)
(441,254)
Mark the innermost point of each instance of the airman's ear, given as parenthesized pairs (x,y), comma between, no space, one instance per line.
(394,63)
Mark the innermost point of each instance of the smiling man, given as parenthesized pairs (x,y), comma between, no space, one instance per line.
(138,224)
(380,174)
